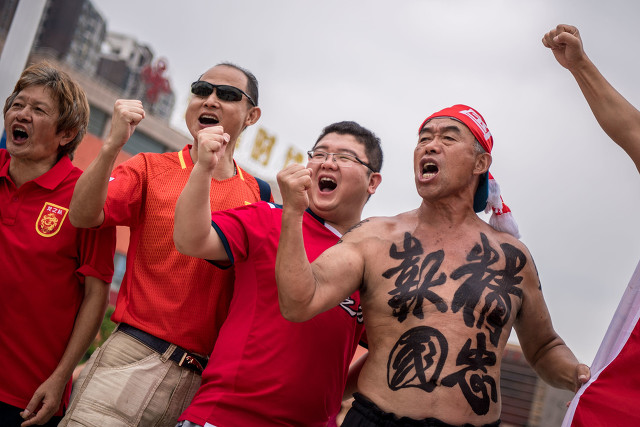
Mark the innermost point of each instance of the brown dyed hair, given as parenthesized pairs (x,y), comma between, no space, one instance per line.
(72,101)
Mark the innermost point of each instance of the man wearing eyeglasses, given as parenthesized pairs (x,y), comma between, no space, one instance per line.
(170,306)
(265,370)
(440,289)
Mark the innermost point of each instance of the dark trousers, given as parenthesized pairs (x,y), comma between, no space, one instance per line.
(10,417)
(365,413)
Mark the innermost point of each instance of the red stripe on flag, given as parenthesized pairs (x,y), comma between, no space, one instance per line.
(612,396)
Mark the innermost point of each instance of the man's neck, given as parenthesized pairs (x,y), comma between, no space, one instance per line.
(225,168)
(25,171)
(341,224)
(446,214)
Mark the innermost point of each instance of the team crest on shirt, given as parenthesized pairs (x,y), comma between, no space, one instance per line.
(50,219)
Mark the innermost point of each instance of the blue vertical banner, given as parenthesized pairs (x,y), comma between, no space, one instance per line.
(3,140)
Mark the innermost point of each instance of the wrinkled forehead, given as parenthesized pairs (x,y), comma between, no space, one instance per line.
(445,124)
(224,74)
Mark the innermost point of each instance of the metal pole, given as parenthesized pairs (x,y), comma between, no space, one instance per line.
(15,53)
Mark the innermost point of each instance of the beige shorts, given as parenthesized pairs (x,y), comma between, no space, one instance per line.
(125,383)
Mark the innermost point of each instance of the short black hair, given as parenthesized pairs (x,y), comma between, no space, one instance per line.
(372,144)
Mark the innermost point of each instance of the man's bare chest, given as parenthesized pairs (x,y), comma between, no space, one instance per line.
(453,306)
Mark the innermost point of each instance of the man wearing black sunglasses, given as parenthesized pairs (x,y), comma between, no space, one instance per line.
(170,306)
(266,371)
(228,93)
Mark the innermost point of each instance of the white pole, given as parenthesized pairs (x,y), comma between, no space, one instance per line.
(16,49)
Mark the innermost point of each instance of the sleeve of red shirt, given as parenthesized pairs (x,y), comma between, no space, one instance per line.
(96,250)
(126,191)
(239,227)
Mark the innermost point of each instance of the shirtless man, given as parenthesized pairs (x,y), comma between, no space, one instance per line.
(440,290)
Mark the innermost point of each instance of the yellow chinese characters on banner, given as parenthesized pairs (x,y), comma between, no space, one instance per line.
(293,156)
(262,147)
(263,150)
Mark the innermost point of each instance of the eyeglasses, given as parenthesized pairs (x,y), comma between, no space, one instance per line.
(343,159)
(223,92)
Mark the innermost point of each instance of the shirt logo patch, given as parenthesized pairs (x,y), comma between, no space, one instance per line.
(50,220)
(349,305)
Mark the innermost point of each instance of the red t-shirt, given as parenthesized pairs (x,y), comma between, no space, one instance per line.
(42,269)
(265,370)
(178,298)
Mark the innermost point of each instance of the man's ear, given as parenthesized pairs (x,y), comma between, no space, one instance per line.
(253,116)
(67,136)
(483,162)
(374,180)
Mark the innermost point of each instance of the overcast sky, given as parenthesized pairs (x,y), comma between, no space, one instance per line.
(389,64)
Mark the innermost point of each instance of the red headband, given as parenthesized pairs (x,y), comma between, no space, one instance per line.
(471,119)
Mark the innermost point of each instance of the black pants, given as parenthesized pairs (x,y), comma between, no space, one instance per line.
(10,417)
(365,413)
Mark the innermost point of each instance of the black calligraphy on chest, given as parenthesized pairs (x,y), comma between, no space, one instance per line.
(482,298)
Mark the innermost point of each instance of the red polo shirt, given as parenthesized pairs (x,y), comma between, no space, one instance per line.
(265,370)
(43,263)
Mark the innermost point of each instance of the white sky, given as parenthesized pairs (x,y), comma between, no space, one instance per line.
(388,64)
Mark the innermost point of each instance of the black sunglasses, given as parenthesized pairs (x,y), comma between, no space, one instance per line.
(223,92)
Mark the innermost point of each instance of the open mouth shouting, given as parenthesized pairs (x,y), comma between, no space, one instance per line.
(429,170)
(327,184)
(19,134)
(208,120)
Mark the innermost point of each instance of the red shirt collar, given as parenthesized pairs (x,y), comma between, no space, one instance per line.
(50,179)
(186,155)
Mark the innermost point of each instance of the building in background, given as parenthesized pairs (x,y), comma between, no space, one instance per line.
(7,10)
(129,65)
(121,60)
(526,399)
(72,31)
(75,33)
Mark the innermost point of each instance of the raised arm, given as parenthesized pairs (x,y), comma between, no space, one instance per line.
(617,117)
(192,233)
(305,291)
(90,193)
(543,348)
